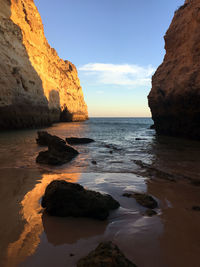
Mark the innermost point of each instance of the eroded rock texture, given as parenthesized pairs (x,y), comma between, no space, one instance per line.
(36,86)
(106,254)
(65,199)
(175,95)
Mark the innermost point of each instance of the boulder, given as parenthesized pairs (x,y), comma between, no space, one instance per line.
(44,138)
(106,254)
(78,141)
(58,152)
(143,199)
(64,199)
(195,182)
(196,208)
(150,212)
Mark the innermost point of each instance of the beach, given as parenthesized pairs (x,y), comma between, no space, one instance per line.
(130,158)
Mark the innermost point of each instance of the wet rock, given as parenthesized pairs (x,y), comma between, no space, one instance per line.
(150,212)
(106,254)
(111,146)
(78,141)
(64,199)
(143,199)
(196,208)
(44,138)
(58,152)
(151,171)
(152,127)
(195,182)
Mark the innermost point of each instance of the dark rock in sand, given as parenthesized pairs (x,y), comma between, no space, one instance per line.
(195,182)
(152,126)
(152,171)
(143,199)
(94,162)
(196,208)
(79,141)
(150,212)
(58,152)
(44,138)
(64,199)
(106,254)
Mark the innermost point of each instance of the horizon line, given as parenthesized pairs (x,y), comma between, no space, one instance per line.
(119,117)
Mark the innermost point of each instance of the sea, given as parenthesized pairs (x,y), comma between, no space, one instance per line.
(128,157)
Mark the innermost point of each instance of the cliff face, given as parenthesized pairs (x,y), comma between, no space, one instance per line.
(175,95)
(36,86)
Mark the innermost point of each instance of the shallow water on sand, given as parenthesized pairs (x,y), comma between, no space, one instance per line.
(172,238)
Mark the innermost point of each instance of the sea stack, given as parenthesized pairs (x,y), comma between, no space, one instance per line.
(174,99)
(36,86)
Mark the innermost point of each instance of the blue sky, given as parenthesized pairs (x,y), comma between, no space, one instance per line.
(116,46)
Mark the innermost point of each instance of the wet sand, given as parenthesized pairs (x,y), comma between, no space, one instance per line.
(31,238)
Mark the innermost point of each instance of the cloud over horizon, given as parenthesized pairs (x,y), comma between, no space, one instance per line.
(130,75)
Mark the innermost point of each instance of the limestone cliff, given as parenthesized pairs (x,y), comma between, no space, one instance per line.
(175,95)
(36,86)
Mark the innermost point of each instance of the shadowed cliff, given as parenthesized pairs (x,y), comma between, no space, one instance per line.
(175,95)
(37,88)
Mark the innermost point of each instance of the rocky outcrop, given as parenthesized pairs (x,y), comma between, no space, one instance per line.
(58,152)
(175,95)
(36,86)
(143,199)
(44,139)
(106,254)
(64,199)
(78,140)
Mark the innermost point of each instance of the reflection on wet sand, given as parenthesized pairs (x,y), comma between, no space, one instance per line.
(31,213)
(180,240)
(69,230)
(170,239)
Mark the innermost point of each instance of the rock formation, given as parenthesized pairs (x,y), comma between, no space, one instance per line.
(79,140)
(36,86)
(175,95)
(58,152)
(106,254)
(65,199)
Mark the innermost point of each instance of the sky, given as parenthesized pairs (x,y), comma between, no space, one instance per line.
(116,46)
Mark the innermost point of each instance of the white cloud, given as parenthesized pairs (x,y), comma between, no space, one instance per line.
(119,74)
(99,92)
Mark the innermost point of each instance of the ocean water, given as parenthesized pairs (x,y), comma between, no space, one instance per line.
(118,133)
(130,157)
